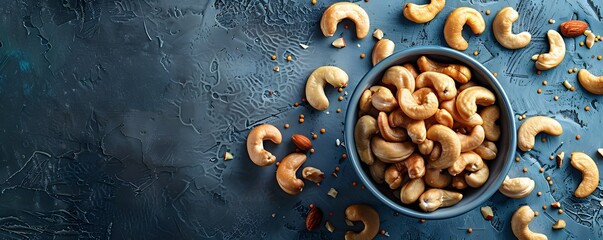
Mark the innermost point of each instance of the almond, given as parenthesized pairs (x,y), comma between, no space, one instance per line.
(573,28)
(314,218)
(302,142)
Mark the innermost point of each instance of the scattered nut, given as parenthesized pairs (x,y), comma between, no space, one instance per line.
(330,226)
(339,43)
(502,28)
(378,34)
(573,28)
(255,145)
(315,84)
(313,174)
(368,216)
(383,48)
(342,10)
(487,212)
(423,13)
(556,205)
(301,141)
(228,156)
(519,224)
(517,187)
(559,224)
(590,82)
(560,157)
(556,52)
(454,25)
(313,219)
(332,192)
(590,174)
(534,125)
(286,171)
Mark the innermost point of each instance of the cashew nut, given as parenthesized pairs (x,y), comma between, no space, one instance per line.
(442,83)
(255,144)
(502,28)
(419,105)
(590,82)
(458,72)
(315,86)
(423,13)
(383,48)
(444,117)
(534,125)
(415,128)
(453,27)
(487,151)
(365,104)
(400,77)
(517,187)
(412,69)
(590,174)
(556,52)
(383,99)
(467,101)
(388,133)
(342,10)
(394,176)
(365,128)
(451,146)
(368,216)
(459,182)
(434,198)
(478,178)
(426,147)
(412,190)
(490,115)
(450,106)
(435,152)
(473,140)
(285,173)
(313,174)
(469,161)
(391,152)
(437,178)
(519,224)
(377,171)
(415,164)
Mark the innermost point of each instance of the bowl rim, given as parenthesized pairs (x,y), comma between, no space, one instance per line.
(350,120)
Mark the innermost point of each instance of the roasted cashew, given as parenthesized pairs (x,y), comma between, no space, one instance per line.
(469,161)
(383,99)
(412,190)
(426,147)
(502,28)
(473,140)
(255,144)
(400,77)
(365,128)
(478,178)
(411,68)
(434,198)
(556,52)
(590,174)
(519,224)
(415,128)
(459,182)
(451,146)
(419,105)
(368,216)
(458,72)
(415,164)
(442,83)
(391,152)
(394,175)
(590,82)
(365,104)
(377,171)
(467,101)
(519,187)
(315,86)
(437,178)
(285,173)
(450,106)
(444,117)
(313,174)
(453,28)
(490,115)
(342,10)
(534,125)
(383,48)
(435,152)
(487,151)
(423,13)
(388,133)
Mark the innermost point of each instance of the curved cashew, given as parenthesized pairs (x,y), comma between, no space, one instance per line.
(415,128)
(534,125)
(391,152)
(419,105)
(459,182)
(412,69)
(451,146)
(383,99)
(453,27)
(487,151)
(423,13)
(394,176)
(517,187)
(400,77)
(519,224)
(342,10)
(437,178)
(426,147)
(467,101)
(444,117)
(467,85)
(478,178)
(412,190)
(313,174)
(365,104)
(315,86)
(590,82)
(383,48)
(388,133)
(434,198)
(285,173)
(450,106)
(365,128)
(442,83)
(415,166)
(435,152)
(469,161)
(377,171)
(458,72)
(255,144)
(502,28)
(556,52)
(473,140)
(590,174)
(368,216)
(490,115)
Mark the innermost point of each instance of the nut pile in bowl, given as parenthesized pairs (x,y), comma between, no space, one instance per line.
(428,134)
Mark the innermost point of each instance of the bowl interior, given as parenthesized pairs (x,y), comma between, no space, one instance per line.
(499,167)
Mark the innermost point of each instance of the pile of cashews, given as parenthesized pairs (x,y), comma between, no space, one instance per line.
(428,132)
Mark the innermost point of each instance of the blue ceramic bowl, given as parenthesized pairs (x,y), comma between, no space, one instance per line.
(499,167)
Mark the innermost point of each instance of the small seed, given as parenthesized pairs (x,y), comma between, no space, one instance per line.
(276,68)
(495,74)
(322,130)
(575,69)
(304,100)
(469,230)
(560,211)
(338,110)
(548,178)
(570,71)
(475,53)
(525,169)
(536,213)
(313,2)
(340,98)
(311,150)
(534,57)
(423,221)
(544,82)
(314,136)
(581,44)
(286,125)
(556,98)
(289,58)
(382,231)
(586,108)
(599,57)
(343,155)
(551,182)
(296,104)
(340,89)
(517,159)
(541,170)
(572,88)
(551,157)
(354,184)
(577,136)
(301,116)
(524,116)
(539,91)
(538,72)
(487,12)
(543,139)
(301,120)
(362,56)
(551,21)
(544,207)
(273,57)
(539,194)
(519,118)
(311,205)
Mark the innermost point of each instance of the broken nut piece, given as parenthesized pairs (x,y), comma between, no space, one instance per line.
(339,43)
(559,224)
(313,174)
(378,34)
(560,159)
(487,212)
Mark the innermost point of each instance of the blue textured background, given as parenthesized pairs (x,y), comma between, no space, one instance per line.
(116,115)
